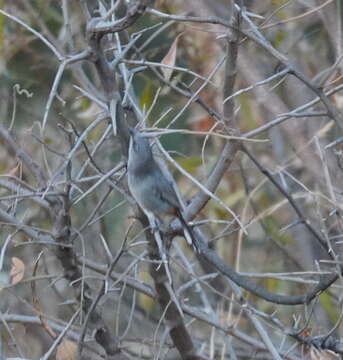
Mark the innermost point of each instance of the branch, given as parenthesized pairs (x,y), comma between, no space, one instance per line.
(256,36)
(291,201)
(14,148)
(62,233)
(174,321)
(230,148)
(101,26)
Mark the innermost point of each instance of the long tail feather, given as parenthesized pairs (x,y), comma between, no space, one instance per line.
(188,232)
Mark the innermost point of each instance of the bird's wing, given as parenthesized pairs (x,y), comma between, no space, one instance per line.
(165,190)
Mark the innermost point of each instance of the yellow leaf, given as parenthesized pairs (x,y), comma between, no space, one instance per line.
(17,270)
(279,38)
(146,97)
(234,197)
(144,301)
(190,164)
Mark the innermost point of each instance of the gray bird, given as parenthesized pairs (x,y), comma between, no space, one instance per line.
(151,189)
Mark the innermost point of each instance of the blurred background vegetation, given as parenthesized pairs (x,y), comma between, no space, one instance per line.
(309,33)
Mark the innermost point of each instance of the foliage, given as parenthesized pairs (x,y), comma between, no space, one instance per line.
(243,102)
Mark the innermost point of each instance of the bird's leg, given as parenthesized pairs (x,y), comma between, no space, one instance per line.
(152,221)
(155,224)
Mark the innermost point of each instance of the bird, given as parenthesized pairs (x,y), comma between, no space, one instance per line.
(152,190)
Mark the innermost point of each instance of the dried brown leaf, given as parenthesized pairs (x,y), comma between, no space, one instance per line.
(14,170)
(66,350)
(170,59)
(316,354)
(17,270)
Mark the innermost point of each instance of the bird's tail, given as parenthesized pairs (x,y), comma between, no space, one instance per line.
(188,232)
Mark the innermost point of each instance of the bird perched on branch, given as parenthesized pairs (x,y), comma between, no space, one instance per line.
(150,187)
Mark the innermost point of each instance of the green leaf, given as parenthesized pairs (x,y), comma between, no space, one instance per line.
(273,229)
(331,310)
(190,164)
(147,97)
